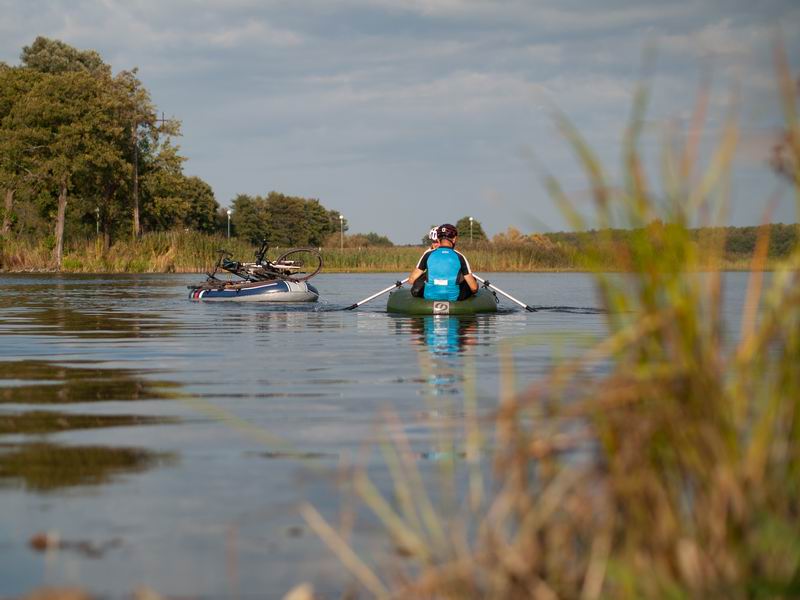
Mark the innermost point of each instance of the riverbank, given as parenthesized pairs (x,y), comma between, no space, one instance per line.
(192,252)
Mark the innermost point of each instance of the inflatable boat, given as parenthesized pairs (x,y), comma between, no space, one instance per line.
(401,301)
(276,290)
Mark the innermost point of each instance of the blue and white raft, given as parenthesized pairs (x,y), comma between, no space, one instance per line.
(275,290)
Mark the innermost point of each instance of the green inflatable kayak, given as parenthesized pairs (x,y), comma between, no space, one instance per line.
(401,301)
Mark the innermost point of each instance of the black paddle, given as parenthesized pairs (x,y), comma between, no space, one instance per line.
(396,284)
(510,297)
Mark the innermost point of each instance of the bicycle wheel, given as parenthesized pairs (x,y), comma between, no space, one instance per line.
(299,264)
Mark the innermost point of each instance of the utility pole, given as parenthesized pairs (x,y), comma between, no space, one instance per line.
(470,230)
(341,232)
(229,223)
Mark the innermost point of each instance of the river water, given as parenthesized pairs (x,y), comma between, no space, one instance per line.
(147,440)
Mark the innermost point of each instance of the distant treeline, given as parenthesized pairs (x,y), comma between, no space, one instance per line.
(735,242)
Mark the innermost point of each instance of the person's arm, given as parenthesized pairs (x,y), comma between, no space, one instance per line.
(415,274)
(466,271)
(420,269)
(471,282)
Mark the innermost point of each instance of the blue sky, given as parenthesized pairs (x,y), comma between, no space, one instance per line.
(402,114)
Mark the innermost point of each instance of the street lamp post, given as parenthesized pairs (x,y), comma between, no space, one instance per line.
(341,232)
(470,230)
(229,223)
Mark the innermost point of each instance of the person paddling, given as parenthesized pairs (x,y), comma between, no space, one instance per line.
(443,273)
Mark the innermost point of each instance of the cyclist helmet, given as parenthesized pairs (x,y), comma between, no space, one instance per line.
(446,232)
(432,235)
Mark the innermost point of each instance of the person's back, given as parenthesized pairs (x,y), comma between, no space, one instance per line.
(444,267)
(447,274)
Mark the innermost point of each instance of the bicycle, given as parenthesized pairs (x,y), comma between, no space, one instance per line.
(297,264)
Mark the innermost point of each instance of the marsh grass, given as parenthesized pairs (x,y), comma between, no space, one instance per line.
(164,252)
(672,473)
(194,252)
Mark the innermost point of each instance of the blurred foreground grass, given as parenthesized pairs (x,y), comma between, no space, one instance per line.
(675,473)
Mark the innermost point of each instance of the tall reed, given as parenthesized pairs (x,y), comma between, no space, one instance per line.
(191,251)
(672,473)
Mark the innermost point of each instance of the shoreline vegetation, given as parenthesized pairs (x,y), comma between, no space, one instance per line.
(196,252)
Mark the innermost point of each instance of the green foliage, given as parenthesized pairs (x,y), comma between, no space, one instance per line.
(202,207)
(168,199)
(477,235)
(250,218)
(283,220)
(76,141)
(374,239)
(738,242)
(55,57)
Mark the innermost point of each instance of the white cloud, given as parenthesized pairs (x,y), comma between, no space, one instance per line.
(253,32)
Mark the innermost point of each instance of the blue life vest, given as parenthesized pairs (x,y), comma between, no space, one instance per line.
(444,266)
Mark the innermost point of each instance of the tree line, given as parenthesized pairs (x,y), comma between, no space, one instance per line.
(83,152)
(781,238)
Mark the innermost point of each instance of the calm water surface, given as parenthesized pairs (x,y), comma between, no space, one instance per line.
(168,443)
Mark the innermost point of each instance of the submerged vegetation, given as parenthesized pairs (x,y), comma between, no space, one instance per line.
(662,463)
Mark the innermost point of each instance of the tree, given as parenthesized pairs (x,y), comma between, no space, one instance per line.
(250,218)
(287,220)
(67,123)
(55,57)
(202,206)
(511,236)
(118,188)
(163,203)
(140,116)
(15,83)
(463,226)
(283,220)
(375,239)
(69,129)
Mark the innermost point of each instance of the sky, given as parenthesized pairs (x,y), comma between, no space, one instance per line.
(406,113)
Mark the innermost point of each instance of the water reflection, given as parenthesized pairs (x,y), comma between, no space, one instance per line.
(63,320)
(43,382)
(43,422)
(444,343)
(45,467)
(444,334)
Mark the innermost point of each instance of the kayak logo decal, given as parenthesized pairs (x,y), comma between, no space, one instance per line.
(441,308)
